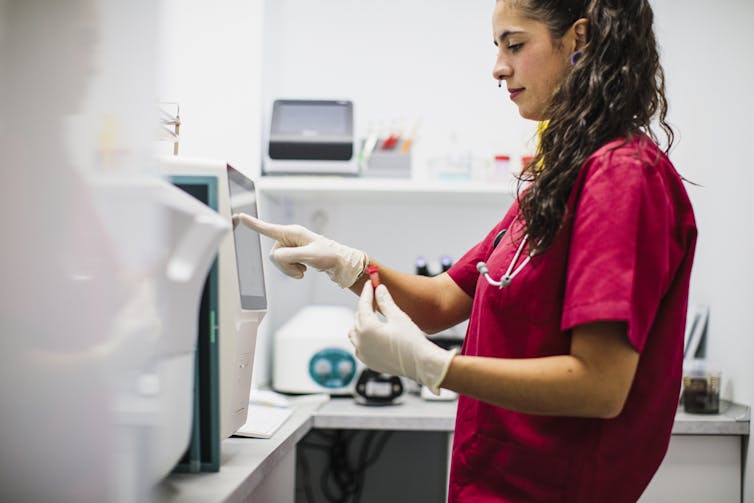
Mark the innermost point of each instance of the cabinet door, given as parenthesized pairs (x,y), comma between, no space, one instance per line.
(698,469)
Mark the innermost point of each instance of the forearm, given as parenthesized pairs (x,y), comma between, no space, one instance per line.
(552,386)
(422,298)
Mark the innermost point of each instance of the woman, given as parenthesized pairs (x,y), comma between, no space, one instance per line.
(570,372)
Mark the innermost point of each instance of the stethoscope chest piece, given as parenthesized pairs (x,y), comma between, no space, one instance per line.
(506,279)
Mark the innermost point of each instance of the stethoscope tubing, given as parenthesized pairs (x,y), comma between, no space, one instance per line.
(510,273)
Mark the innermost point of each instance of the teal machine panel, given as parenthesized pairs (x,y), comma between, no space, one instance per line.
(203,451)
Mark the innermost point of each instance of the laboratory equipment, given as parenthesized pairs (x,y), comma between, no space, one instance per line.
(446,262)
(376,388)
(253,296)
(701,387)
(390,159)
(421,267)
(241,289)
(311,137)
(161,391)
(455,164)
(170,122)
(203,452)
(312,353)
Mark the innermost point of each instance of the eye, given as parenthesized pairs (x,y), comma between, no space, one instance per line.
(514,48)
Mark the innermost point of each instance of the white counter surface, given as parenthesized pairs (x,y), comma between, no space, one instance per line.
(412,414)
(247,461)
(417,414)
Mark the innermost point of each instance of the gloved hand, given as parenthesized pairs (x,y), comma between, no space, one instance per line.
(297,247)
(396,346)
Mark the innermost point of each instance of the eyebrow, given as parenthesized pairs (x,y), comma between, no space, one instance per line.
(505,35)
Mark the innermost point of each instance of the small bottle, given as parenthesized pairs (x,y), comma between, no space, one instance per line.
(421,266)
(701,387)
(445,263)
(457,162)
(502,169)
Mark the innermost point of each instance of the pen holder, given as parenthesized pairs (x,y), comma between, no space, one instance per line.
(391,163)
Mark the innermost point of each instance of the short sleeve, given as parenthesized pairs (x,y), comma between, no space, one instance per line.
(619,254)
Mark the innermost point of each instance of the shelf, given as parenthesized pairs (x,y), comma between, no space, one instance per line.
(345,189)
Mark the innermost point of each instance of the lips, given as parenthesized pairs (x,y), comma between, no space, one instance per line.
(515,92)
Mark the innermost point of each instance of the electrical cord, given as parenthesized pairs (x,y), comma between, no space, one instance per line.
(341,480)
(305,472)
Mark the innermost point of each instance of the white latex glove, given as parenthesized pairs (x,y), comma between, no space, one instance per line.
(296,247)
(396,346)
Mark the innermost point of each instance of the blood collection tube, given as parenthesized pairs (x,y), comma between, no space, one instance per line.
(374,275)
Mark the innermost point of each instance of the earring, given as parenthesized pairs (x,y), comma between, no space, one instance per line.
(575,57)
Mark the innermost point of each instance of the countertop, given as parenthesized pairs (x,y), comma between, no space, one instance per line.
(246,461)
(417,414)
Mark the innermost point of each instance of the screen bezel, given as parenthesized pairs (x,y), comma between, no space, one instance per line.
(248,302)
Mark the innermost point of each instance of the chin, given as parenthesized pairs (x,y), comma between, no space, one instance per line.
(529,114)
(525,114)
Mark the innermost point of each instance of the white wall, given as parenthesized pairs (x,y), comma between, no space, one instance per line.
(397,59)
(210,64)
(706,53)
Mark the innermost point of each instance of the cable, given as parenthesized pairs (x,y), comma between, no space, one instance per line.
(341,480)
(385,436)
(305,473)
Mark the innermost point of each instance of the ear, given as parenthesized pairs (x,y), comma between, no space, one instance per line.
(581,33)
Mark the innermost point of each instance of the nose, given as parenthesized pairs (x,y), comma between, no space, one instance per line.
(502,70)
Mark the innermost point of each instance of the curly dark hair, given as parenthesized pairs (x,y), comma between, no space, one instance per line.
(613,91)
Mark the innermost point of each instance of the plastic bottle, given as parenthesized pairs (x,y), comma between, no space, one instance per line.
(502,167)
(445,263)
(457,163)
(421,267)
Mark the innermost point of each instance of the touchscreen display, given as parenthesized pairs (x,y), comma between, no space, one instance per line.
(248,248)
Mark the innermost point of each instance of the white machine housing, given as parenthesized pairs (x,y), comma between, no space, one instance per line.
(237,328)
(160,394)
(312,353)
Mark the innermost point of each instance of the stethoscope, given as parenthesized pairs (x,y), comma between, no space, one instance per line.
(510,273)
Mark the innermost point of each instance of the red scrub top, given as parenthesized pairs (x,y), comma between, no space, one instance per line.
(625,255)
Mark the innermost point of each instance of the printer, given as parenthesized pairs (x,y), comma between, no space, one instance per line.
(311,137)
